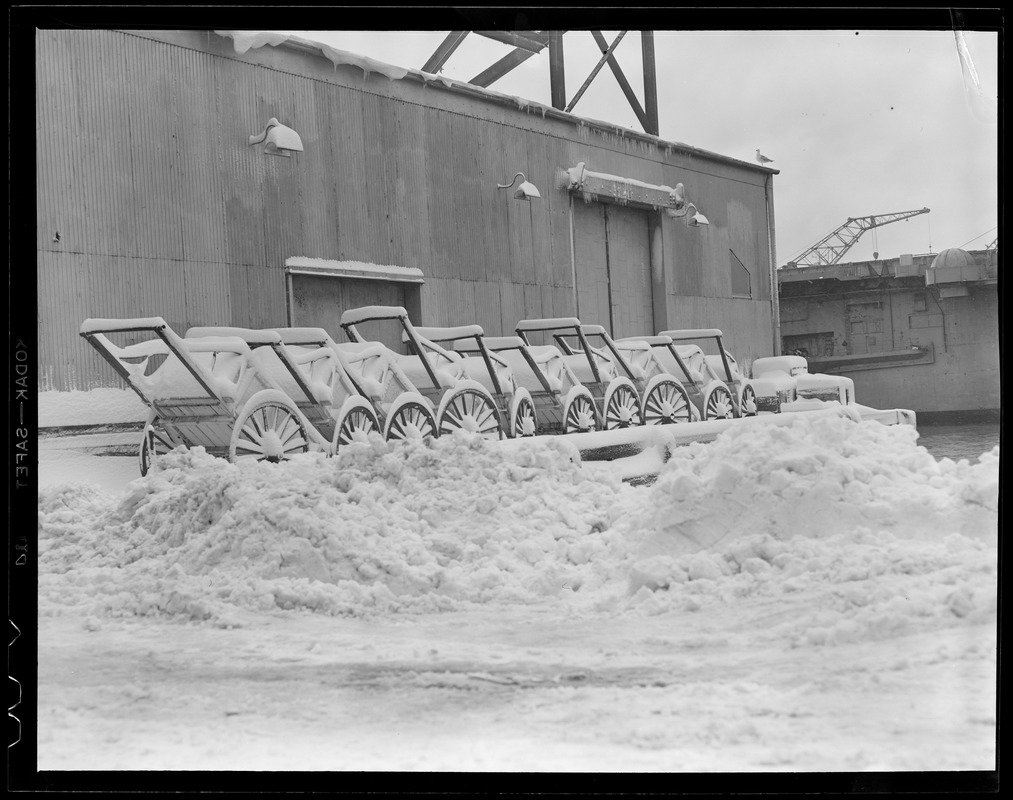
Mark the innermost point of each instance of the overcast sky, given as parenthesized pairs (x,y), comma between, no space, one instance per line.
(858,123)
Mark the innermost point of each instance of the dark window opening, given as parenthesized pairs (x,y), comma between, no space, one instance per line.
(741,283)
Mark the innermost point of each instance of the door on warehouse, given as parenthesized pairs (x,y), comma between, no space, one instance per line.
(612,264)
(317,301)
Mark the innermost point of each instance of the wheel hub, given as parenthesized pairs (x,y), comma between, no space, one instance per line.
(469,423)
(272,447)
(721,409)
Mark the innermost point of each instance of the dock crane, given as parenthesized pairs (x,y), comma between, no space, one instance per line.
(835,244)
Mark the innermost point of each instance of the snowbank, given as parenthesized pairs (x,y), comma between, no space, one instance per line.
(895,538)
(383,527)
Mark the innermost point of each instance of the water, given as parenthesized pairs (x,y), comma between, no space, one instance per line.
(959,441)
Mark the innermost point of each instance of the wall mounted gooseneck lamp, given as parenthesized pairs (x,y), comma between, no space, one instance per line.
(278,139)
(687,212)
(694,219)
(525,191)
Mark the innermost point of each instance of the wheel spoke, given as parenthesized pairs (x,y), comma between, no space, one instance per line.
(356,426)
(408,417)
(252,432)
(270,432)
(249,445)
(719,404)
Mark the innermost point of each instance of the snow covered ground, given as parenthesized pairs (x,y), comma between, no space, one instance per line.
(816,596)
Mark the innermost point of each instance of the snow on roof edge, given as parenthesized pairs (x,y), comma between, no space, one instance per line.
(247,40)
(359,268)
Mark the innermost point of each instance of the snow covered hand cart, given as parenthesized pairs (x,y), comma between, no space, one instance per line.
(321,380)
(712,396)
(722,391)
(663,398)
(207,392)
(548,397)
(625,394)
(513,402)
(445,397)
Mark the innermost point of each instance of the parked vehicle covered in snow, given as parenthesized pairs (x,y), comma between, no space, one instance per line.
(714,384)
(734,395)
(560,402)
(452,399)
(663,398)
(779,380)
(615,398)
(346,391)
(211,392)
(514,403)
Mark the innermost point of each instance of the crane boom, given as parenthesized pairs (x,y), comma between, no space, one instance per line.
(835,244)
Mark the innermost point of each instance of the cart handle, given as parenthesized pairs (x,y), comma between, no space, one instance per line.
(547,324)
(692,333)
(354,316)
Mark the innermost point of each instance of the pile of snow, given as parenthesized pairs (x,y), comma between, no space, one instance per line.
(888,538)
(894,539)
(381,527)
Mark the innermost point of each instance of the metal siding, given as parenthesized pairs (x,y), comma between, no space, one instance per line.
(413,133)
(488,308)
(456,304)
(533,302)
(442,197)
(400,153)
(518,211)
(512,299)
(151,103)
(243,169)
(494,203)
(278,96)
(64,150)
(322,211)
(376,183)
(541,243)
(207,289)
(349,173)
(199,157)
(392,173)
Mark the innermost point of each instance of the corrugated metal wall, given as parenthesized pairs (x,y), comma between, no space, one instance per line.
(163,209)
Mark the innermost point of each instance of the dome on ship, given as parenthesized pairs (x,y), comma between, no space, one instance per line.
(953,257)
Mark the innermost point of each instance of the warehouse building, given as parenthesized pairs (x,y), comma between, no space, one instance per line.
(152,201)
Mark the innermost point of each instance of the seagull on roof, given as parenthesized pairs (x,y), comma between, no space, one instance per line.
(762,158)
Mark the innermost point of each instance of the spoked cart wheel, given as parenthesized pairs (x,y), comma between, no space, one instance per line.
(717,403)
(156,441)
(355,422)
(579,413)
(268,429)
(622,405)
(747,401)
(469,408)
(523,421)
(410,417)
(666,402)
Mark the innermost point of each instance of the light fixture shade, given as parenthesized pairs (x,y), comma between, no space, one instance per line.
(278,139)
(526,191)
(694,219)
(283,138)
